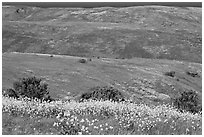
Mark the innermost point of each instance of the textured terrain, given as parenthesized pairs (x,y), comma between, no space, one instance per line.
(161,32)
(151,54)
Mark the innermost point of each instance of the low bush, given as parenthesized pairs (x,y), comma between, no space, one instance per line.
(171,73)
(31,87)
(192,74)
(82,60)
(188,101)
(103,93)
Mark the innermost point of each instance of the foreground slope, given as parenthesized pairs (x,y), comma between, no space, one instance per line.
(141,80)
(95,118)
(148,32)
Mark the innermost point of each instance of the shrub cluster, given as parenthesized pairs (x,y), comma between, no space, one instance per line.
(192,74)
(82,60)
(188,101)
(103,93)
(30,87)
(171,73)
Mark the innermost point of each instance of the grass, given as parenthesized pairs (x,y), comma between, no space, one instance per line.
(96,118)
(134,76)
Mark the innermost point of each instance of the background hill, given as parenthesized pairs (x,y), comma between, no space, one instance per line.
(161,32)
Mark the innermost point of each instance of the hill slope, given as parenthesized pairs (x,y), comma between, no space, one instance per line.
(141,79)
(148,32)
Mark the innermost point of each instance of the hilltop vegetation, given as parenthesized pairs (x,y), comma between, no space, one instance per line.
(147,32)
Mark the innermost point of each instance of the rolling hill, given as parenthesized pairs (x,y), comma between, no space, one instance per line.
(141,80)
(159,32)
(151,54)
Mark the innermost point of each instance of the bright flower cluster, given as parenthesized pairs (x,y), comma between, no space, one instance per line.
(106,117)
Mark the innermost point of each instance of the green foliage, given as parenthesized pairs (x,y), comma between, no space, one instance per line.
(31,87)
(103,93)
(188,101)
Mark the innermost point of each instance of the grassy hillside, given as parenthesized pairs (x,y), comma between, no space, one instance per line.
(151,55)
(147,32)
(143,80)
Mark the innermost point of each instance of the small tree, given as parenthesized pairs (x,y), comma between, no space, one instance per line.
(188,101)
(31,87)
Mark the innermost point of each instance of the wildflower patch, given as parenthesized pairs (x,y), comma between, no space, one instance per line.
(97,118)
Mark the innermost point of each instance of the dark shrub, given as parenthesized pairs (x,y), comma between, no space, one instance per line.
(192,74)
(10,93)
(103,93)
(31,87)
(171,73)
(188,101)
(82,60)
